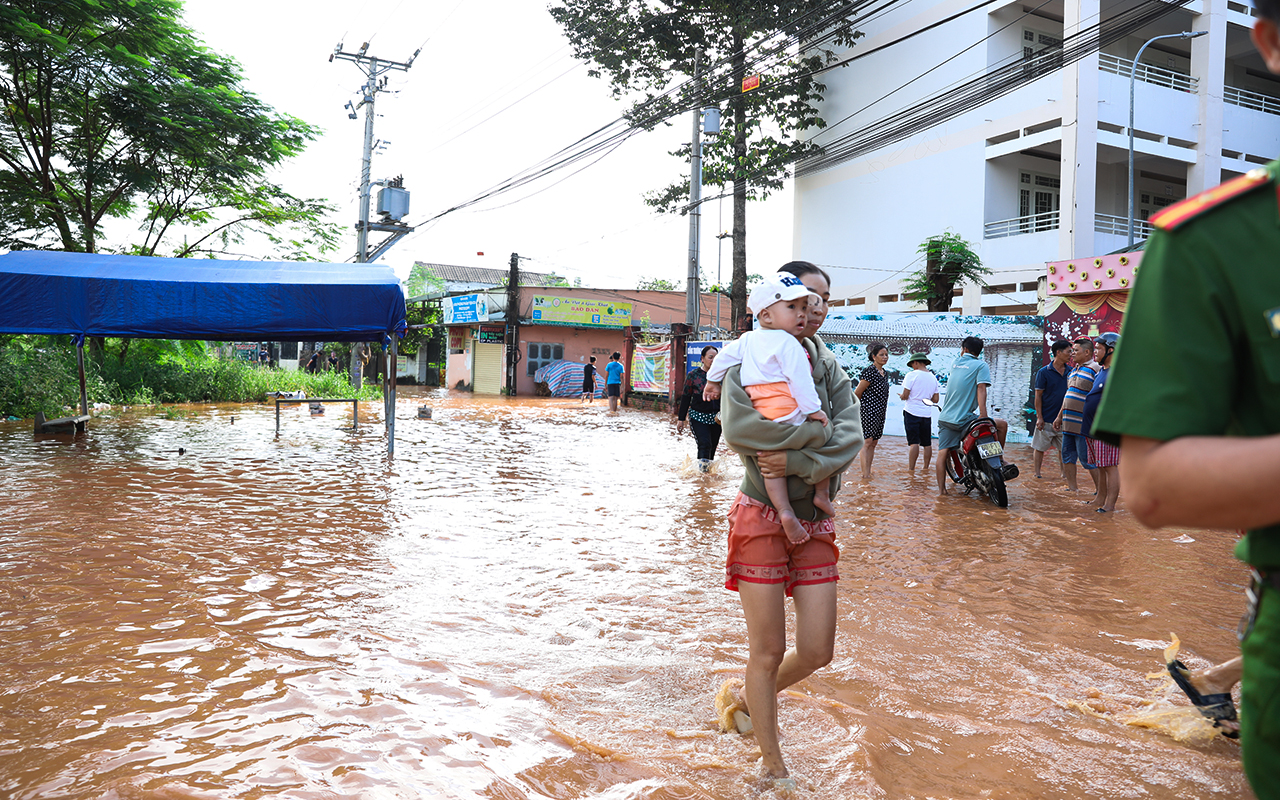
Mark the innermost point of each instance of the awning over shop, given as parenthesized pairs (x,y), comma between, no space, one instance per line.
(86,294)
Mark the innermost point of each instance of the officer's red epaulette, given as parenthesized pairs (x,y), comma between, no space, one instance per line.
(1171,218)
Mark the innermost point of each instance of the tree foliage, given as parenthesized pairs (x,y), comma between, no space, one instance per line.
(655,285)
(949,262)
(645,47)
(113,109)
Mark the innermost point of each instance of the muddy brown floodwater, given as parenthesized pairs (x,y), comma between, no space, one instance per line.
(528,603)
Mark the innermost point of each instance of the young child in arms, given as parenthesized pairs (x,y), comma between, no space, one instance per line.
(777,377)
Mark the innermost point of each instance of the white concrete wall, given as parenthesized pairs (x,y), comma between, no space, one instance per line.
(1248,131)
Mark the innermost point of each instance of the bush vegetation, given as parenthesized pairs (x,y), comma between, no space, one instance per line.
(38,373)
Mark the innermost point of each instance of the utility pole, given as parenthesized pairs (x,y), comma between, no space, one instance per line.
(375,70)
(513,323)
(693,290)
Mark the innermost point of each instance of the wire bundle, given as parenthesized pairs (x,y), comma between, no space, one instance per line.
(1005,78)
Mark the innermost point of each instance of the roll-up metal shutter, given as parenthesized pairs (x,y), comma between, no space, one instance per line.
(488,377)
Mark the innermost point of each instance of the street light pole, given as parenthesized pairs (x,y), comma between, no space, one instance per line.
(692,282)
(1132,76)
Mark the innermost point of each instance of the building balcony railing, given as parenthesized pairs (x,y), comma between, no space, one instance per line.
(1254,100)
(1048,221)
(1147,73)
(1119,226)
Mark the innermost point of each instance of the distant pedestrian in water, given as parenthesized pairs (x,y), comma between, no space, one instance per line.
(703,415)
(613,380)
(873,393)
(1105,456)
(918,386)
(333,361)
(1051,389)
(313,363)
(589,381)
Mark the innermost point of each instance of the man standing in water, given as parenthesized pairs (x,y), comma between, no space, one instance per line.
(966,389)
(1194,398)
(1051,388)
(613,380)
(1075,447)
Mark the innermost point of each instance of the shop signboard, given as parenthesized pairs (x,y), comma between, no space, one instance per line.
(491,334)
(465,309)
(693,353)
(580,312)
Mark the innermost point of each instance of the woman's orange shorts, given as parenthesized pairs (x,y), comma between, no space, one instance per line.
(760,552)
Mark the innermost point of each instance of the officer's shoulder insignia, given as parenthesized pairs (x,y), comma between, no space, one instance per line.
(1176,215)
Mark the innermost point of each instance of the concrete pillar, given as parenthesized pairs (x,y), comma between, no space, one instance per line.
(971,300)
(1209,67)
(1079,139)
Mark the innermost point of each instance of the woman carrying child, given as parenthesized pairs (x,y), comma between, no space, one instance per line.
(764,565)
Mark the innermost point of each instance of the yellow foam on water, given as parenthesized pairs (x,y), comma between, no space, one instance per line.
(727,702)
(1182,723)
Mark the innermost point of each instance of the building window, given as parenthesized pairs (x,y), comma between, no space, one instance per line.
(542,354)
(1038,200)
(288,351)
(1041,52)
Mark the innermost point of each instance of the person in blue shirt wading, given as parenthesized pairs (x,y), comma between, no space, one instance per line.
(613,381)
(966,388)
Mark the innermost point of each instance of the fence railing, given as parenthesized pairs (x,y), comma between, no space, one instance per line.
(1119,226)
(1147,73)
(1047,221)
(1255,100)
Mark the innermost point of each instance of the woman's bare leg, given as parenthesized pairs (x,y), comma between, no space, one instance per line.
(868,454)
(815,633)
(913,453)
(1113,487)
(928,455)
(763,605)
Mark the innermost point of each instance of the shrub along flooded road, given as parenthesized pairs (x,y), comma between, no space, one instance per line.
(527,603)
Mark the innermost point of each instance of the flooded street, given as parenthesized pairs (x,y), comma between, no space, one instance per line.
(528,603)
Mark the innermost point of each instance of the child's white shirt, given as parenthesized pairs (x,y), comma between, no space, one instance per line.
(770,356)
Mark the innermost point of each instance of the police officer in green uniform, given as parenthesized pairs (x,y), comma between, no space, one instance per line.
(1194,398)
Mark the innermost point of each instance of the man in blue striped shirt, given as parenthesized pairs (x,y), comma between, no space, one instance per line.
(1079,382)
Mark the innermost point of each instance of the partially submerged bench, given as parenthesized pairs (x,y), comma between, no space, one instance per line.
(60,425)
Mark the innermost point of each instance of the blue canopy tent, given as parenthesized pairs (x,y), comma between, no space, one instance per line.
(88,294)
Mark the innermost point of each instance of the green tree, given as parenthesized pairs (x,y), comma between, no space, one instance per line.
(949,262)
(114,109)
(655,285)
(642,50)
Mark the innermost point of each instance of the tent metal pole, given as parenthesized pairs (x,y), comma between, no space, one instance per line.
(391,403)
(84,392)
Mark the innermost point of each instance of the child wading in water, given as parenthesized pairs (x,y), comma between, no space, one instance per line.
(777,377)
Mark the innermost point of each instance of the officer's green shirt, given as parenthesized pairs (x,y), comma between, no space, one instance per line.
(1199,353)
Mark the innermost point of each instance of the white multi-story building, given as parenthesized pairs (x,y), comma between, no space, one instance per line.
(1039,173)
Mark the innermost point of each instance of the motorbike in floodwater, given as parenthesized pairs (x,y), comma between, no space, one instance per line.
(977,464)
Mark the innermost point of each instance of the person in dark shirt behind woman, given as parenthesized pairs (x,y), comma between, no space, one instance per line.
(702,414)
(1105,456)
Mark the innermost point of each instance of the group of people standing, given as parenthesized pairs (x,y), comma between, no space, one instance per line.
(1068,391)
(766,561)
(612,381)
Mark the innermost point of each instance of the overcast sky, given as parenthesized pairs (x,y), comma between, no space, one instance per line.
(455,125)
